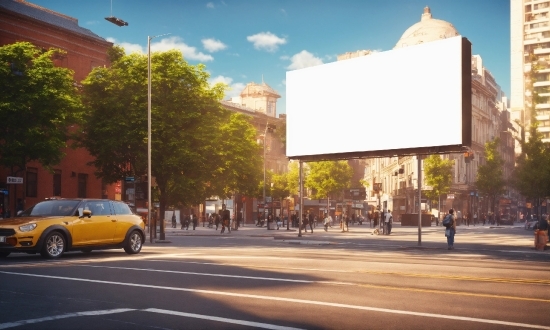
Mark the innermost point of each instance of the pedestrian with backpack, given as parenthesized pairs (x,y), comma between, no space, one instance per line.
(450,228)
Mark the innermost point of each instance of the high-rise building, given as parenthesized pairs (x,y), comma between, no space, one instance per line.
(530,34)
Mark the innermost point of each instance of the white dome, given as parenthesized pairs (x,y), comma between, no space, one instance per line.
(428,29)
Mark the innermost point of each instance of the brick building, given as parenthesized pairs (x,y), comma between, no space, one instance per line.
(24,21)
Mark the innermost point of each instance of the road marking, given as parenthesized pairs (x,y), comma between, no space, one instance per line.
(376,286)
(63,316)
(221,319)
(438,276)
(291,300)
(202,274)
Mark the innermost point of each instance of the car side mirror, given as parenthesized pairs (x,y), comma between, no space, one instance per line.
(85,213)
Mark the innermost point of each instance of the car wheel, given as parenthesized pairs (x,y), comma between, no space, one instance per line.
(54,245)
(86,250)
(134,243)
(4,254)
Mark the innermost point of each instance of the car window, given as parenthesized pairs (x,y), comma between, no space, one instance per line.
(52,208)
(98,207)
(121,208)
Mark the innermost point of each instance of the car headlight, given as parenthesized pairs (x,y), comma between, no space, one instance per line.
(28,227)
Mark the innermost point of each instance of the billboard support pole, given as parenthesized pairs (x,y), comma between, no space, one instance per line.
(301,202)
(419,159)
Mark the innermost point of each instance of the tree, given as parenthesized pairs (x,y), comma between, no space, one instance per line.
(327,177)
(198,149)
(531,176)
(490,180)
(38,104)
(439,176)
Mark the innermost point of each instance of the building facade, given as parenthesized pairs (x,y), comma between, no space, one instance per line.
(530,34)
(253,101)
(24,21)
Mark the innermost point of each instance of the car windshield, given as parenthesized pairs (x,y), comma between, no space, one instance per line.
(52,208)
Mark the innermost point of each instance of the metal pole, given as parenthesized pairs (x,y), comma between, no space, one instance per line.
(419,200)
(301,202)
(152,228)
(265,140)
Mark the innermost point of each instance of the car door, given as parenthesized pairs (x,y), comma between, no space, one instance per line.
(101,225)
(125,219)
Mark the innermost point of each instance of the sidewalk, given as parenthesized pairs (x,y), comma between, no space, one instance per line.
(502,238)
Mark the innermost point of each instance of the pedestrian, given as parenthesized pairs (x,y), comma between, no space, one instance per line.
(311,220)
(387,219)
(269,221)
(345,222)
(225,218)
(278,222)
(327,221)
(304,222)
(174,219)
(475,218)
(450,230)
(187,221)
(194,219)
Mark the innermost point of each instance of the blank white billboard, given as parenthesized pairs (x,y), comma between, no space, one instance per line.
(403,101)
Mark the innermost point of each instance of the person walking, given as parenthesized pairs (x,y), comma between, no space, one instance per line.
(304,222)
(174,219)
(327,221)
(311,220)
(226,218)
(187,221)
(194,219)
(450,224)
(387,219)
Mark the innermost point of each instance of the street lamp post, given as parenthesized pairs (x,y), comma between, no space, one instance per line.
(152,230)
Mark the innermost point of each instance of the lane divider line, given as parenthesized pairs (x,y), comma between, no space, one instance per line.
(293,300)
(63,316)
(221,319)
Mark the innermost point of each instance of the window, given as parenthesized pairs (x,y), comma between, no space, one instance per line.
(57,183)
(121,208)
(82,185)
(32,182)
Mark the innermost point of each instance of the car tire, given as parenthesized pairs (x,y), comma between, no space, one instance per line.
(54,245)
(4,254)
(133,243)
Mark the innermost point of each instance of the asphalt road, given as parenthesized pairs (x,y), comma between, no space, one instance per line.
(254,278)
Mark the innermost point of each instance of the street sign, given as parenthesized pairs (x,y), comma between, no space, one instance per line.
(355,193)
(129,179)
(14,180)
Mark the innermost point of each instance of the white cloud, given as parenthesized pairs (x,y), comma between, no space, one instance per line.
(284,57)
(189,52)
(266,41)
(303,59)
(210,5)
(235,88)
(284,12)
(128,47)
(213,45)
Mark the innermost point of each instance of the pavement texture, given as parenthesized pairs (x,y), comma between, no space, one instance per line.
(490,238)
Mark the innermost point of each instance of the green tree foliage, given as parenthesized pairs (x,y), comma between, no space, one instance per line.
(532,173)
(490,180)
(198,149)
(293,178)
(439,176)
(327,177)
(38,104)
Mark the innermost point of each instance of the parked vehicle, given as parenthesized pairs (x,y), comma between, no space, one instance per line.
(55,226)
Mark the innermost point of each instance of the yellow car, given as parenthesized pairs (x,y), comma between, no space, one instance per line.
(55,226)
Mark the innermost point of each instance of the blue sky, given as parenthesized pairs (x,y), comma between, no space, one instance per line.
(240,41)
